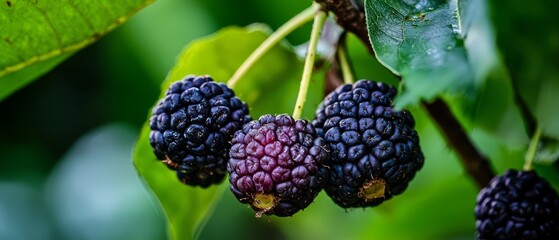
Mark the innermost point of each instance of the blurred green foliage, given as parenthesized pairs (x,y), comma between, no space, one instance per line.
(118,79)
(528,37)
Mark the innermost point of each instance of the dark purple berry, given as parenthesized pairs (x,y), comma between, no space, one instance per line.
(375,149)
(192,126)
(277,165)
(517,205)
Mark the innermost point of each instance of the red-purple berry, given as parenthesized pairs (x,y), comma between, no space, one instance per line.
(277,165)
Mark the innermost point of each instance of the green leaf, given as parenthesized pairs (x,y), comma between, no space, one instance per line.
(35,36)
(426,42)
(270,86)
(492,109)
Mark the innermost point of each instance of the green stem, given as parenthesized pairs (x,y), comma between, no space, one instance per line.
(532,149)
(318,24)
(347,73)
(294,23)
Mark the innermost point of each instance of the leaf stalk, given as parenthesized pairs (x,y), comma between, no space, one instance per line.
(347,72)
(532,150)
(318,25)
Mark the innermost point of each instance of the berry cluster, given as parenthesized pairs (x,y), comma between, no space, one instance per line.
(358,148)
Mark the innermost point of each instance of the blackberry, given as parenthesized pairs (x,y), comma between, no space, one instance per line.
(192,126)
(277,165)
(517,205)
(375,149)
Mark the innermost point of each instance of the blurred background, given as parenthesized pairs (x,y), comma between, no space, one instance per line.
(65,148)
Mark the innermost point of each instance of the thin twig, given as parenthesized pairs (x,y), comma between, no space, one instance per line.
(532,150)
(318,25)
(345,66)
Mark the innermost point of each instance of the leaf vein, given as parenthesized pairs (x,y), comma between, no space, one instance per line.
(80,13)
(49,23)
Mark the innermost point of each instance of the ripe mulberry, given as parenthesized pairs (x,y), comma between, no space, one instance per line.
(517,205)
(277,165)
(375,149)
(192,126)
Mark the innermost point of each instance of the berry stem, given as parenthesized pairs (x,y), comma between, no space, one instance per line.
(347,73)
(294,23)
(532,149)
(318,24)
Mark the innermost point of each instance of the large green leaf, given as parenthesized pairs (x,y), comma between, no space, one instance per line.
(428,43)
(269,87)
(35,36)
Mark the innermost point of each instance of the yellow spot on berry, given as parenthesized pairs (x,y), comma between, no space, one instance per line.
(372,189)
(264,202)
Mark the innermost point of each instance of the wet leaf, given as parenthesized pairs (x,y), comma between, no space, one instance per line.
(436,46)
